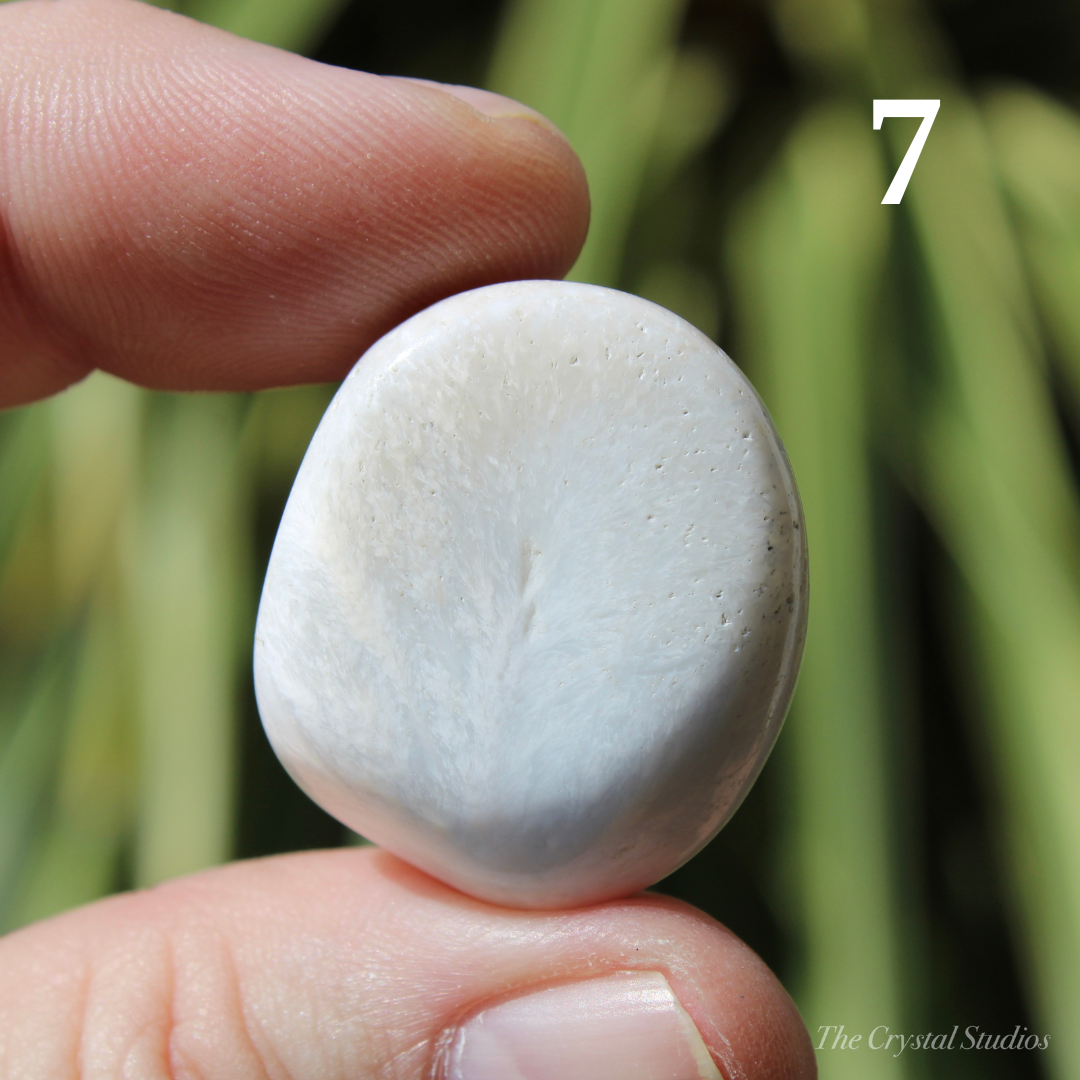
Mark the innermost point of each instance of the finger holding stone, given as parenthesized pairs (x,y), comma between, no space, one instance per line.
(190,210)
(351,963)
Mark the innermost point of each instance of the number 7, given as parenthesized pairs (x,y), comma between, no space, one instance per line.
(927,108)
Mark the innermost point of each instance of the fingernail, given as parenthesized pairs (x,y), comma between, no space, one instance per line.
(486,102)
(628,1026)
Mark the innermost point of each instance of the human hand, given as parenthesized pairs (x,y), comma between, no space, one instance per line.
(190,210)
(193,211)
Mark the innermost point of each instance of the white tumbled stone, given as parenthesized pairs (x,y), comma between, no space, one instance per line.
(537,601)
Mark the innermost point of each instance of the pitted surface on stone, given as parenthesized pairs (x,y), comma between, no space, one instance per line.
(535,607)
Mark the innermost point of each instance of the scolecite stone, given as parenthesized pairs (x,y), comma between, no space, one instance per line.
(536,606)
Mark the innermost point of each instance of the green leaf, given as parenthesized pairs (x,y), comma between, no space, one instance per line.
(998,487)
(296,25)
(23,457)
(1036,146)
(29,762)
(806,256)
(186,571)
(77,848)
(600,70)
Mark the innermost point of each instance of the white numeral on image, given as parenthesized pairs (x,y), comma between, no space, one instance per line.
(927,108)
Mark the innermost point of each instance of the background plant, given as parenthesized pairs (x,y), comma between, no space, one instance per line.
(911,855)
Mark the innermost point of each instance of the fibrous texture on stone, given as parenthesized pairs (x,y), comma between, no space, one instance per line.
(535,609)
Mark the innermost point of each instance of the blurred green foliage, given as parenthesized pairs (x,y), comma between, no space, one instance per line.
(922,362)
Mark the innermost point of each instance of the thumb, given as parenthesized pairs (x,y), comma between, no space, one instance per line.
(338,965)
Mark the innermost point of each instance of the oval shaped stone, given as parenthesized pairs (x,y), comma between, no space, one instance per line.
(537,601)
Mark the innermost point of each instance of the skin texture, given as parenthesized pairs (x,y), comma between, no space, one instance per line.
(192,211)
(337,965)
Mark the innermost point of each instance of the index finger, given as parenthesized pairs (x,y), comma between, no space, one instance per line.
(190,210)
